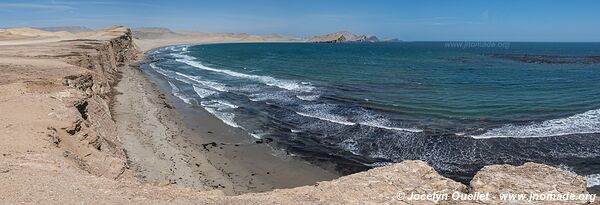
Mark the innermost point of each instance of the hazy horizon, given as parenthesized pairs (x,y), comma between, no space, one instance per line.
(467,20)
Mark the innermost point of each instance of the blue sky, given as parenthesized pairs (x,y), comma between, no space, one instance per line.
(492,20)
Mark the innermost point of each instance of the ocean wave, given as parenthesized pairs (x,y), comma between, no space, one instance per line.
(308,97)
(178,48)
(372,124)
(159,70)
(593,180)
(176,92)
(267,80)
(182,56)
(280,97)
(219,104)
(213,85)
(221,109)
(328,117)
(323,112)
(584,123)
(226,117)
(370,119)
(203,92)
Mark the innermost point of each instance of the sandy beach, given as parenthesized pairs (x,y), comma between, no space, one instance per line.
(162,148)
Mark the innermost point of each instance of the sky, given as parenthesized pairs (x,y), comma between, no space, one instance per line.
(424,20)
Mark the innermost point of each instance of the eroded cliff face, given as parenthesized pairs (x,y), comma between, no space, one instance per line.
(92,140)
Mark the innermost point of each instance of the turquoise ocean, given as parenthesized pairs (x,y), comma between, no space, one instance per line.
(362,105)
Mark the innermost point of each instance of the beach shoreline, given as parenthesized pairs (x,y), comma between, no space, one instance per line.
(212,155)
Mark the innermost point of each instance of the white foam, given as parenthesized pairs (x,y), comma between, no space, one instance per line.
(367,118)
(175,91)
(203,92)
(308,97)
(226,117)
(588,122)
(391,128)
(219,104)
(182,56)
(178,48)
(213,85)
(327,117)
(278,96)
(159,70)
(593,180)
(257,136)
(267,80)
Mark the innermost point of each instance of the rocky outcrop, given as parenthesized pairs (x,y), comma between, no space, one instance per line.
(411,182)
(530,178)
(342,37)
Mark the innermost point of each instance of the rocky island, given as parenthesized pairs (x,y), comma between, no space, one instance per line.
(342,37)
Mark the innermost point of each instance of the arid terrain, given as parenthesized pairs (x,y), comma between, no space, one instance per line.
(74,107)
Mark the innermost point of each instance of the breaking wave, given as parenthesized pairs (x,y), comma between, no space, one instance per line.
(584,123)
(267,80)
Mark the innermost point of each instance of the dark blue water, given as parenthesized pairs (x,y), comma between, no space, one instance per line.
(367,105)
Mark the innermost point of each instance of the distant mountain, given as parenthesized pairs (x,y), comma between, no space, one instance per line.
(152,32)
(33,32)
(70,29)
(342,37)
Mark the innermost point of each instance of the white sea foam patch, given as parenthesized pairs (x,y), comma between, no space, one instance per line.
(226,117)
(323,112)
(328,117)
(593,180)
(213,85)
(219,109)
(220,105)
(178,48)
(176,92)
(308,97)
(367,118)
(588,122)
(202,93)
(183,56)
(387,127)
(277,96)
(159,70)
(267,80)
